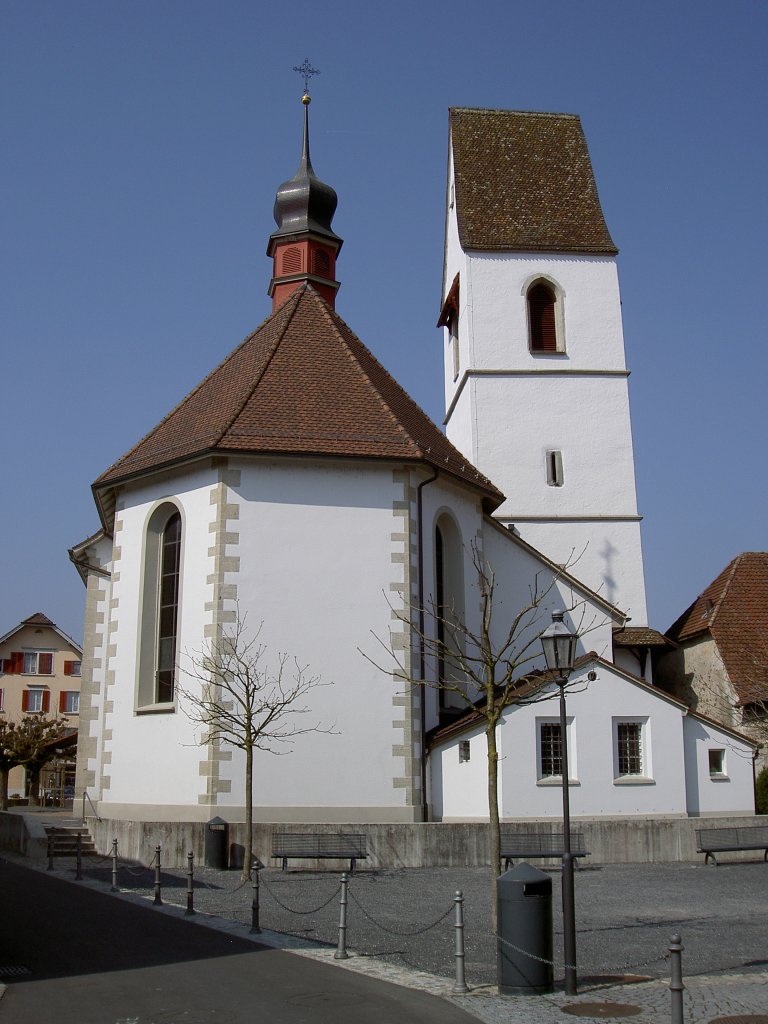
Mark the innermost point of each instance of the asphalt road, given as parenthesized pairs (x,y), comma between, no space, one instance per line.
(72,955)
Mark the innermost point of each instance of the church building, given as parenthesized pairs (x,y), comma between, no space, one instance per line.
(299,490)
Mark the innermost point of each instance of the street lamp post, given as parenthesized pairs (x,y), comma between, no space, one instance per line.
(559,645)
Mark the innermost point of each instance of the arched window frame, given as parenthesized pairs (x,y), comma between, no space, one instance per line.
(156,693)
(558,303)
(449,595)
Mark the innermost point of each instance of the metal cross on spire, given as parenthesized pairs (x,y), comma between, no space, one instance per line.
(307,71)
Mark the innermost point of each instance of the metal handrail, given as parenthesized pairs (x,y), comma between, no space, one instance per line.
(95,812)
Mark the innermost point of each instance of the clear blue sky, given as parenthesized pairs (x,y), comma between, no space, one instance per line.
(143,143)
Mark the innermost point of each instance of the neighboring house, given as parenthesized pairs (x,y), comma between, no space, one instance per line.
(720,663)
(300,487)
(41,669)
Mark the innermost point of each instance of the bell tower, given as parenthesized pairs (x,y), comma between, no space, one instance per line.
(536,383)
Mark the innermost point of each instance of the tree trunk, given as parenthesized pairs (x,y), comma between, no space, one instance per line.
(248,856)
(33,782)
(494,830)
(4,788)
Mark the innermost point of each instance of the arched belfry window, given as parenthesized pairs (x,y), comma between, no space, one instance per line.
(158,641)
(543,315)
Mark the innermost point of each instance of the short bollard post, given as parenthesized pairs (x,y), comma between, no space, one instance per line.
(341,952)
(255,909)
(460,985)
(190,884)
(79,855)
(158,899)
(676,986)
(114,865)
(50,852)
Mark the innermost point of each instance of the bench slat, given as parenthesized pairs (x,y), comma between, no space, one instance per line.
(319,846)
(723,840)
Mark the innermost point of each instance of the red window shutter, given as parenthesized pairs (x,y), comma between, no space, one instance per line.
(68,668)
(541,312)
(46,701)
(63,701)
(16,663)
(25,700)
(45,664)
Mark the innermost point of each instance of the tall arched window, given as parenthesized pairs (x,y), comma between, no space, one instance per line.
(542,318)
(168,612)
(158,646)
(449,604)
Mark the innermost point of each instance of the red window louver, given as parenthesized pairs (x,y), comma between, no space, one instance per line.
(541,319)
(291,262)
(321,263)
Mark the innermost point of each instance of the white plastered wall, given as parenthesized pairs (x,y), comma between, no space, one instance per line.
(593,707)
(729,792)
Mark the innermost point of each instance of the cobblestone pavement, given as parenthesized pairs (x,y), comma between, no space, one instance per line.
(400,929)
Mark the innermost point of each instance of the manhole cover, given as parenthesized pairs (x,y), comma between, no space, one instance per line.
(13,972)
(603,1011)
(742,1018)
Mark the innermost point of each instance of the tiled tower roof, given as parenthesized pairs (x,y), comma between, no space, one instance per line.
(524,183)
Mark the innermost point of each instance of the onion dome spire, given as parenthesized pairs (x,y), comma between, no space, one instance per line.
(304,246)
(304,203)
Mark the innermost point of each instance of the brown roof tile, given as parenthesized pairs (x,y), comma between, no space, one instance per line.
(301,384)
(524,182)
(640,636)
(734,611)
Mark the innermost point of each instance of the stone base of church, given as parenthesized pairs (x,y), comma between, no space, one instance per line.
(394,845)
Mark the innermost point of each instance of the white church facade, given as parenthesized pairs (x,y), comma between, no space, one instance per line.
(298,487)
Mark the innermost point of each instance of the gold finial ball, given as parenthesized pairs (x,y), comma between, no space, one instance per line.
(306,99)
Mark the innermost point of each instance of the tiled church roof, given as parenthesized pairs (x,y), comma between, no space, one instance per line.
(524,183)
(734,611)
(301,384)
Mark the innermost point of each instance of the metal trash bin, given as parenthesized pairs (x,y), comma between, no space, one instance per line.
(524,930)
(216,843)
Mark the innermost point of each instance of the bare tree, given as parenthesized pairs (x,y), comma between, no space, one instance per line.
(33,744)
(485,668)
(239,699)
(7,758)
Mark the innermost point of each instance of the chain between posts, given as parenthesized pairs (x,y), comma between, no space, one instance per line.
(302,913)
(394,931)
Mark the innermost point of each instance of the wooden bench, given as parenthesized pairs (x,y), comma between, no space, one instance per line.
(319,846)
(519,845)
(719,840)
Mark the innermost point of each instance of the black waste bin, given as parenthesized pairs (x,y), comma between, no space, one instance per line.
(524,943)
(216,844)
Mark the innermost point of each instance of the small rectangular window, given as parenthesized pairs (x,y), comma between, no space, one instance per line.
(716,762)
(69,702)
(38,663)
(629,748)
(34,701)
(554,468)
(463,751)
(550,750)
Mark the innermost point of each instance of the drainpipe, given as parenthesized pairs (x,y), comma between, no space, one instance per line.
(422,655)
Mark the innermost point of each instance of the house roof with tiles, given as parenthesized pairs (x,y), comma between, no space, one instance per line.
(524,182)
(733,610)
(302,384)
